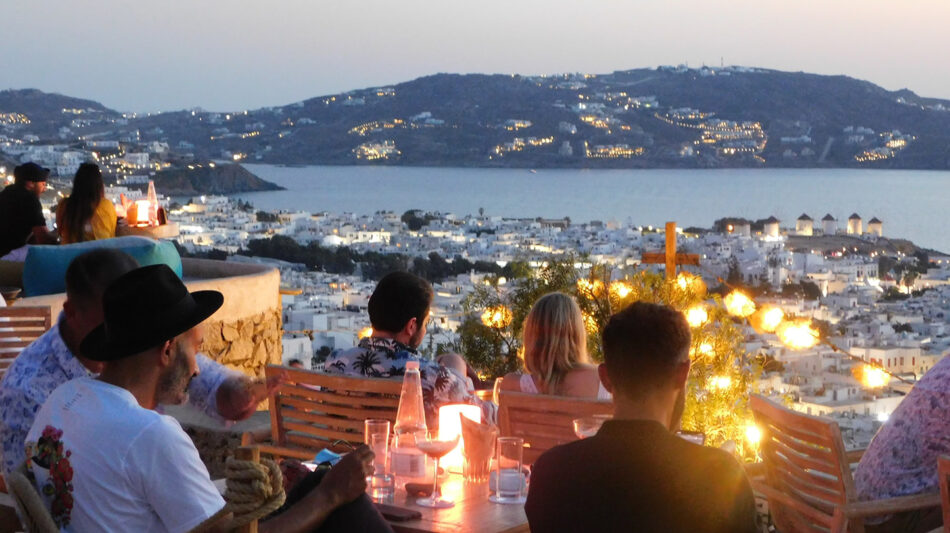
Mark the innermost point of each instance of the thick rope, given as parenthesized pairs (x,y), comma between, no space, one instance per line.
(254,490)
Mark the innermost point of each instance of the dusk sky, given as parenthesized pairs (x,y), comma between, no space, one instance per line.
(239,54)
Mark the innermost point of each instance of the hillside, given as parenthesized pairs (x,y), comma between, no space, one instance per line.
(643,118)
(220,179)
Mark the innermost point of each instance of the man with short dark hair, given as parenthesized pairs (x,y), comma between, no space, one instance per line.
(104,460)
(635,474)
(21,215)
(399,314)
(55,358)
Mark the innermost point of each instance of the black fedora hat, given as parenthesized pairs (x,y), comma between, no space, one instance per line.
(144,308)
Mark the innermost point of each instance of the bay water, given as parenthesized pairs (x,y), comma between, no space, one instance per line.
(911,204)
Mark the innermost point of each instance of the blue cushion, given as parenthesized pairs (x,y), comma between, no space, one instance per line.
(44,271)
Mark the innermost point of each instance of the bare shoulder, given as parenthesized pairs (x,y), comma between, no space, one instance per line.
(512,382)
(583,381)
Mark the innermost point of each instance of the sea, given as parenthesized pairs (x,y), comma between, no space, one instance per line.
(911,204)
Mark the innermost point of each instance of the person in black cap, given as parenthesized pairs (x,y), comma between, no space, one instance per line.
(21,215)
(106,461)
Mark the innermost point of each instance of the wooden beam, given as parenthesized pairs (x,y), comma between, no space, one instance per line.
(670,250)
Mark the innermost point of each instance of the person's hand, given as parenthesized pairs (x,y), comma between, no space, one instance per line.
(347,479)
(238,397)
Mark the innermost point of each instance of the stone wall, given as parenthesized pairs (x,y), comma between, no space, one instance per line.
(247,344)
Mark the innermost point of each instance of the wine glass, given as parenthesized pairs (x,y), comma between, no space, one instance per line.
(588,426)
(435,448)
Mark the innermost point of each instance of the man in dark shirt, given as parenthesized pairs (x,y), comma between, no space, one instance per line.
(21,216)
(635,474)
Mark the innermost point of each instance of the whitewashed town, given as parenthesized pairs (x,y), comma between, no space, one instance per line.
(897,321)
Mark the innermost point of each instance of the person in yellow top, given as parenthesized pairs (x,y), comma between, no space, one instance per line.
(86,215)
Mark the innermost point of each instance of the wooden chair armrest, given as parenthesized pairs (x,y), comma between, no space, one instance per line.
(854,455)
(281,451)
(892,505)
(250,438)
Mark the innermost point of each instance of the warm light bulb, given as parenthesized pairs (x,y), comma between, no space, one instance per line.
(697,316)
(738,304)
(872,377)
(797,334)
(366,332)
(620,289)
(753,434)
(720,382)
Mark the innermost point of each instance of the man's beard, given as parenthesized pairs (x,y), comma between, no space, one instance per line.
(678,407)
(173,384)
(416,340)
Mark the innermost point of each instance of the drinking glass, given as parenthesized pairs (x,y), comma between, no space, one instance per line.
(588,426)
(381,484)
(509,480)
(435,448)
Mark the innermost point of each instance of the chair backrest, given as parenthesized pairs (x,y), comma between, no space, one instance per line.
(943,471)
(19,326)
(544,421)
(313,409)
(806,467)
(32,509)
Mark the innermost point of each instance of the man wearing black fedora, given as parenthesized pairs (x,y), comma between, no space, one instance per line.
(106,461)
(55,358)
(21,215)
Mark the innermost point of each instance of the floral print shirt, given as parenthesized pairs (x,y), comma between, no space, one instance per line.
(387,358)
(902,458)
(46,364)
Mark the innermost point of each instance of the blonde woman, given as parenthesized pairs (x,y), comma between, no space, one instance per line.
(555,352)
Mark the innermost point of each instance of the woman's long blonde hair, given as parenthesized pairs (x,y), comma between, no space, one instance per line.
(555,340)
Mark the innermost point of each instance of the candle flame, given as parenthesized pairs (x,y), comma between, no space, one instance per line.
(497,317)
(738,304)
(697,316)
(872,377)
(797,334)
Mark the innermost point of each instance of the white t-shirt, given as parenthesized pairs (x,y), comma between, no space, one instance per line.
(120,466)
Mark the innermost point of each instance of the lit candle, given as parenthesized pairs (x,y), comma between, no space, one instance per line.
(450,425)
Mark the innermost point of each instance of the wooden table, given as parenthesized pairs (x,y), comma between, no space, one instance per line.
(472,512)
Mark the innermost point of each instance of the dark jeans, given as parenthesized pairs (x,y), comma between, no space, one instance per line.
(919,521)
(358,515)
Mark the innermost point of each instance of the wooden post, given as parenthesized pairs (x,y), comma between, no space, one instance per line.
(670,250)
(248,453)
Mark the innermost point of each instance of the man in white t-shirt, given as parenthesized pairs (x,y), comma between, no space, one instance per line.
(104,460)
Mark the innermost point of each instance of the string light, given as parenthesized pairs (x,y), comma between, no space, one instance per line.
(738,304)
(497,317)
(697,316)
(797,334)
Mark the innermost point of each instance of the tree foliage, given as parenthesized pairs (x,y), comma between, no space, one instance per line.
(722,372)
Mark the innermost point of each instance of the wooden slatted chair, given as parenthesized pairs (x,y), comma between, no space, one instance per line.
(544,421)
(19,326)
(943,471)
(808,479)
(314,409)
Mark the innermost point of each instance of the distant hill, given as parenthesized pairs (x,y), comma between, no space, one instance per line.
(221,179)
(642,118)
